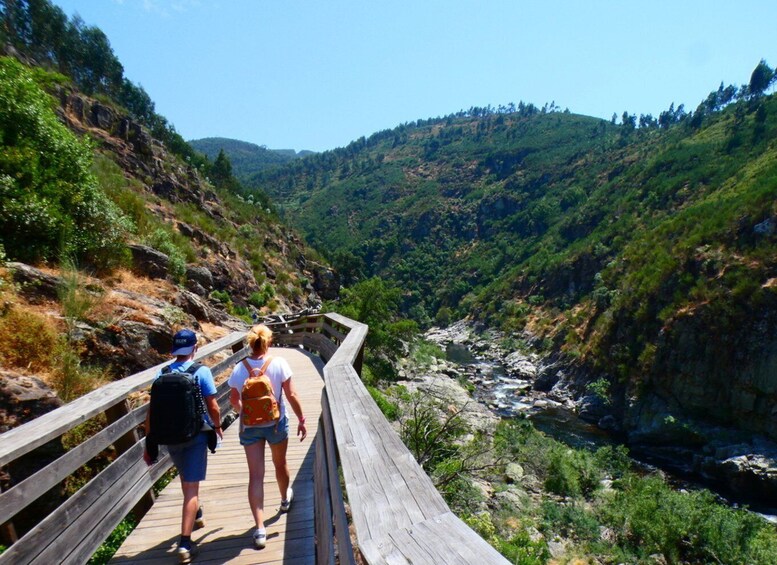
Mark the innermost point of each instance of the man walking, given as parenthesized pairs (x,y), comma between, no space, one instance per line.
(190,457)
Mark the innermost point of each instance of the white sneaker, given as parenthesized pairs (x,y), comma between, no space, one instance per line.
(260,539)
(187,552)
(286,504)
(199,520)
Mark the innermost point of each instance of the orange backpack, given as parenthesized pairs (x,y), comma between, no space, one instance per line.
(259,403)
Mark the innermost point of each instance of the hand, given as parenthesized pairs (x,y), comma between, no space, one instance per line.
(147,458)
(302,430)
(220,433)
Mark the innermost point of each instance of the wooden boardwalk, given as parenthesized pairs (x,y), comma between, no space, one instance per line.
(226,537)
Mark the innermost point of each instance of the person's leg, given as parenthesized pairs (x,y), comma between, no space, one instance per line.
(191,503)
(255,458)
(278,451)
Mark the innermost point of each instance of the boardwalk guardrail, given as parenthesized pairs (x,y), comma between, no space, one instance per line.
(397,514)
(73,531)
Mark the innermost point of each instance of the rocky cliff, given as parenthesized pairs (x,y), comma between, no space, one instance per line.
(128,316)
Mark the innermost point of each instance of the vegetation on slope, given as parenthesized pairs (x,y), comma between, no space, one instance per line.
(597,234)
(246,158)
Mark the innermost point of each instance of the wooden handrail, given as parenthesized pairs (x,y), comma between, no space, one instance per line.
(88,516)
(397,513)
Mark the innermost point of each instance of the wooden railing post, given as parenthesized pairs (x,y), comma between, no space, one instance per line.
(124,444)
(7,531)
(359,361)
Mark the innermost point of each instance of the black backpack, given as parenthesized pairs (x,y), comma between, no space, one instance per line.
(176,406)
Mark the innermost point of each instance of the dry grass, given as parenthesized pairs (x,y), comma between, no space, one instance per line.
(29,341)
(155,288)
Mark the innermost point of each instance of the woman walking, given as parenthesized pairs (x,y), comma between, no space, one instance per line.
(257,428)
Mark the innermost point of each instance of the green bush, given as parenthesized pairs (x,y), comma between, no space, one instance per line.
(111,545)
(50,202)
(570,520)
(390,409)
(221,296)
(161,240)
(521,549)
(649,517)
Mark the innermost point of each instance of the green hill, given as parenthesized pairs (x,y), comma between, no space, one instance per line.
(636,251)
(247,158)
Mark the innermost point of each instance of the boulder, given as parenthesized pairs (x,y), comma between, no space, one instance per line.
(514,473)
(200,309)
(325,281)
(149,262)
(200,276)
(23,398)
(35,285)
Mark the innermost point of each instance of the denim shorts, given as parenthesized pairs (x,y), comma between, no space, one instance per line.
(191,458)
(273,434)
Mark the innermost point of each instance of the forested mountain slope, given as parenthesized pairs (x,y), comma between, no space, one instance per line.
(246,158)
(644,253)
(112,236)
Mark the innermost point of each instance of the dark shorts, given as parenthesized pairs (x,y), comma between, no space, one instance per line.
(191,458)
(272,434)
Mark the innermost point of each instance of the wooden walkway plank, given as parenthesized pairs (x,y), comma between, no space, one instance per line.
(226,537)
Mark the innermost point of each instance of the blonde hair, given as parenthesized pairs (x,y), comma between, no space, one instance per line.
(259,339)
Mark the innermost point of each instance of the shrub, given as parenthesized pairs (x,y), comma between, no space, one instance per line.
(649,517)
(111,545)
(76,301)
(70,378)
(221,296)
(390,409)
(29,340)
(570,520)
(161,240)
(521,549)
(49,200)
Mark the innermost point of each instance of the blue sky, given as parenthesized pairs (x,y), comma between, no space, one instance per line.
(308,74)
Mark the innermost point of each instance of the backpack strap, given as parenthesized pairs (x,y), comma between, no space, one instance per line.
(192,370)
(262,370)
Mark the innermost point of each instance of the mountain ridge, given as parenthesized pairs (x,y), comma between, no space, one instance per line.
(619,246)
(246,158)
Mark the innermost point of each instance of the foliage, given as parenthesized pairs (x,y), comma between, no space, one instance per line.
(390,409)
(111,545)
(75,299)
(601,389)
(51,203)
(424,352)
(29,340)
(376,303)
(649,517)
(161,239)
(31,343)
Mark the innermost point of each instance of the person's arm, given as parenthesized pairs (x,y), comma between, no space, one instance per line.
(291,394)
(234,400)
(215,413)
(146,456)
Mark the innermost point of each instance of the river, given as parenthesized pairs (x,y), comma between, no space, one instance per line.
(504,396)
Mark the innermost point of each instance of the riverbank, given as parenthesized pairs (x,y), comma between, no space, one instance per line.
(536,499)
(511,378)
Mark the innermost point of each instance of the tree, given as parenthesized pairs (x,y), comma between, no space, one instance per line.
(221,172)
(760,79)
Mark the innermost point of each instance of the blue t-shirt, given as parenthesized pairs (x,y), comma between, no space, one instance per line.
(205,378)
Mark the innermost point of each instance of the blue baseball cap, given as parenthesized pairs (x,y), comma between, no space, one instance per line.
(184,342)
